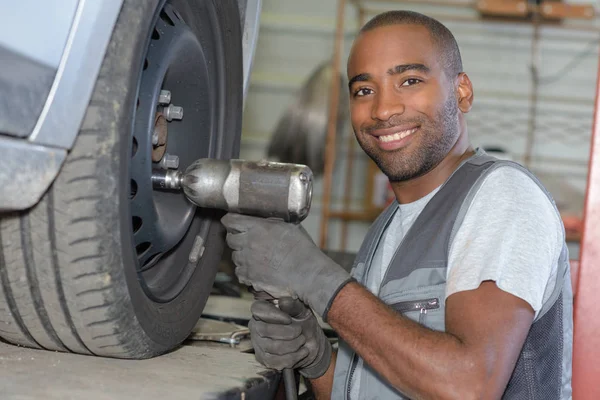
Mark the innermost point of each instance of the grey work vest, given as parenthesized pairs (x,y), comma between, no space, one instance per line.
(415,284)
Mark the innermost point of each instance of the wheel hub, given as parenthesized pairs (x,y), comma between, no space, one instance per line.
(159,138)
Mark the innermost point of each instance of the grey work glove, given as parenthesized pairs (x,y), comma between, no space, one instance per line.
(281,341)
(281,259)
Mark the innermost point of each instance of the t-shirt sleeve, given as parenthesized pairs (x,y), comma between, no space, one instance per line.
(511,234)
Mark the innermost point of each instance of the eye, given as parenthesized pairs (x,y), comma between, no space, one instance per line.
(362,92)
(411,81)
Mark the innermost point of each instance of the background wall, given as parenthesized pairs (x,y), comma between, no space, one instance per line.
(296,36)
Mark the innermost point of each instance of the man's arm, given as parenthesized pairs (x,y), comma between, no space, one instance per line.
(323,385)
(473,359)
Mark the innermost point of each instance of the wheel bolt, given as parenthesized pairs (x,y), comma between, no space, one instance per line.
(169,161)
(164,97)
(155,137)
(173,112)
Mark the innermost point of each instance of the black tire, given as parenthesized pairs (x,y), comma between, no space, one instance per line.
(69,277)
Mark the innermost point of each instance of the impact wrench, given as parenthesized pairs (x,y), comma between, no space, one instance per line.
(263,189)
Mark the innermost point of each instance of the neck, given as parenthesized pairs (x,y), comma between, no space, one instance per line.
(414,189)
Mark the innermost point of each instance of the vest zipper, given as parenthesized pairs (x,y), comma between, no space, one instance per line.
(421,305)
(351,375)
(418,305)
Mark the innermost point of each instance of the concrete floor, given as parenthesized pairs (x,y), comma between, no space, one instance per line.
(196,370)
(190,372)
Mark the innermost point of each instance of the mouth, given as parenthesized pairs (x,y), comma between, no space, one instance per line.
(397,135)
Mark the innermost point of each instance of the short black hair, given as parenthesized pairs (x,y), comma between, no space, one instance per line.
(440,35)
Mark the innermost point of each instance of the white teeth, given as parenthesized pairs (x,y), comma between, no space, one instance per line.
(397,135)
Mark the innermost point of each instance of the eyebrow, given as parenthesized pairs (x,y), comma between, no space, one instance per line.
(358,78)
(398,69)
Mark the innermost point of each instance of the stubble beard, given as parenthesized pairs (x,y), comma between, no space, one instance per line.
(437,137)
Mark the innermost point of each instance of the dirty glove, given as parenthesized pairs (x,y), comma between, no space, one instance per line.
(281,259)
(281,341)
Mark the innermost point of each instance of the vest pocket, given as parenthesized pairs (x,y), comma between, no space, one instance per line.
(409,308)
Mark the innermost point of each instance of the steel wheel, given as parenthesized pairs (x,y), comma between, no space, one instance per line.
(174,117)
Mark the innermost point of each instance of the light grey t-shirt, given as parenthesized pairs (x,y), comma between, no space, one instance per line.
(511,234)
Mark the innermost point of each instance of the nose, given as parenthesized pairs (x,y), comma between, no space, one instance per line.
(386,104)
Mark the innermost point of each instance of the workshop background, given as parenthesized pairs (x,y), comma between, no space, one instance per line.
(534,96)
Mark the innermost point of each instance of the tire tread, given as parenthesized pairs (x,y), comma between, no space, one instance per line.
(34,287)
(11,318)
(58,279)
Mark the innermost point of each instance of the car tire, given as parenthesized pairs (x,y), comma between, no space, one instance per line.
(70,275)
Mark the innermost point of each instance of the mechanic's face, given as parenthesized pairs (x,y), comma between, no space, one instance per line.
(404,109)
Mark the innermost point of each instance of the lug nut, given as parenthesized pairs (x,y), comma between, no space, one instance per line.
(173,112)
(169,161)
(164,97)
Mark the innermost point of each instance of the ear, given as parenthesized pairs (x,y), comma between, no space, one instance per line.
(464,93)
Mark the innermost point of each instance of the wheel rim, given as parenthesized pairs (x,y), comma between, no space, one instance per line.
(164,223)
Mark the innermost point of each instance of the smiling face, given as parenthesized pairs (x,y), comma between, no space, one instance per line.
(404,108)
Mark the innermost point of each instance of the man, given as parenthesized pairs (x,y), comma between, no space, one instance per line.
(461,289)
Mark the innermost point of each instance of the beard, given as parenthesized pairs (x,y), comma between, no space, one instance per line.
(435,138)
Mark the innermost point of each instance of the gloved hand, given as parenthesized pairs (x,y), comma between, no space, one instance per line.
(281,341)
(281,259)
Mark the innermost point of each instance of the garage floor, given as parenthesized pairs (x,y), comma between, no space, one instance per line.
(196,370)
